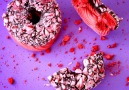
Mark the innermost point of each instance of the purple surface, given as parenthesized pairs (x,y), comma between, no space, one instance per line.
(21,66)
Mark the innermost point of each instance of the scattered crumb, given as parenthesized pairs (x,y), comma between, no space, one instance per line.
(108,56)
(114,68)
(33,55)
(41,54)
(95,48)
(49,64)
(103,38)
(127,79)
(35,69)
(80,46)
(10,80)
(65,20)
(80,29)
(72,49)
(7,37)
(65,39)
(77,22)
(60,65)
(114,45)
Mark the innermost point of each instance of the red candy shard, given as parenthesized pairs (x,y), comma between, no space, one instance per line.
(95,48)
(108,56)
(60,65)
(80,46)
(77,22)
(49,64)
(97,16)
(33,55)
(72,49)
(103,38)
(66,38)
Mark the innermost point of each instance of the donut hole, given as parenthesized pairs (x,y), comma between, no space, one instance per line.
(33,15)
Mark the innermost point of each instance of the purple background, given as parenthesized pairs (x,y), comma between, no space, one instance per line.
(24,63)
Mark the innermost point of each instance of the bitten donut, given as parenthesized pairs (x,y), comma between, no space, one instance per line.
(97,16)
(33,24)
(82,79)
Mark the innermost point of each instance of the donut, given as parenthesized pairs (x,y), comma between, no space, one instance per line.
(82,79)
(33,24)
(97,16)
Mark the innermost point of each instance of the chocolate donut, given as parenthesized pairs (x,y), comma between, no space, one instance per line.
(33,24)
(82,79)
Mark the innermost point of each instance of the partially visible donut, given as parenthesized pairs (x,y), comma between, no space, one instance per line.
(33,24)
(97,16)
(86,78)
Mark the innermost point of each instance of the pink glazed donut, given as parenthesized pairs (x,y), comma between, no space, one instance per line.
(33,24)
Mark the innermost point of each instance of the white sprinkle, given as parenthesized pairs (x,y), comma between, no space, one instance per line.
(78,71)
(70,63)
(63,87)
(6,20)
(85,62)
(80,29)
(46,33)
(48,85)
(111,74)
(4,15)
(17,3)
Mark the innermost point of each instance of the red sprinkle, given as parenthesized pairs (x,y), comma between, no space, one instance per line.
(3,48)
(94,39)
(35,68)
(65,20)
(112,64)
(108,56)
(74,68)
(127,84)
(41,53)
(109,46)
(60,65)
(101,70)
(33,55)
(49,64)
(77,22)
(8,37)
(114,45)
(64,27)
(127,79)
(10,80)
(80,46)
(92,53)
(102,53)
(36,59)
(77,65)
(95,48)
(66,38)
(75,40)
(72,49)
(74,58)
(103,38)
